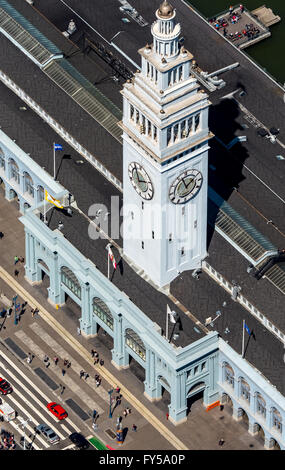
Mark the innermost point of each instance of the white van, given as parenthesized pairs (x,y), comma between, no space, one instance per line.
(7,412)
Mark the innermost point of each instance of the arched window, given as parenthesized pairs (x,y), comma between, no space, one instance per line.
(260,405)
(70,281)
(135,343)
(15,171)
(28,185)
(245,390)
(103,312)
(197,122)
(276,420)
(229,375)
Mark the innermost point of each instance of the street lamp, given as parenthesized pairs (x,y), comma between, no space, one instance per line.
(24,424)
(110,409)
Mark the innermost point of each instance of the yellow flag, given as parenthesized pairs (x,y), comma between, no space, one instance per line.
(54,201)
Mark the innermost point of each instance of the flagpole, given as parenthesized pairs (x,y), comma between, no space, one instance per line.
(108,264)
(45,208)
(54,161)
(166,324)
(243,323)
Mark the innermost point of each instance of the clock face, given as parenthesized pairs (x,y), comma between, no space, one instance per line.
(186,186)
(140,180)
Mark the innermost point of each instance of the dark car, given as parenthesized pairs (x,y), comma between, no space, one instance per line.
(5,387)
(79,440)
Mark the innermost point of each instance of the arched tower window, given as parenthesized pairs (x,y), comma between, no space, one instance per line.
(70,281)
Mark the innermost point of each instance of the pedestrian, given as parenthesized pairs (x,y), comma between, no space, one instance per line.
(22,259)
(167,416)
(81,373)
(221,407)
(93,352)
(68,364)
(46,358)
(117,389)
(221,441)
(128,410)
(125,413)
(101,362)
(55,360)
(96,361)
(134,428)
(63,371)
(241,7)
(78,331)
(10,312)
(94,414)
(62,389)
(86,376)
(47,365)
(231,9)
(29,359)
(16,259)
(1,235)
(16,272)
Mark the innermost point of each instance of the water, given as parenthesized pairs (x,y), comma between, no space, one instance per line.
(269,52)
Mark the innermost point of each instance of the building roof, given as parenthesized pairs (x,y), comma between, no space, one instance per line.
(254,200)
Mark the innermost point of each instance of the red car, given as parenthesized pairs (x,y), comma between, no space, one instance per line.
(57,410)
(5,387)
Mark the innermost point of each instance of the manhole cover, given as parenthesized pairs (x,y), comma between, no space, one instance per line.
(110,433)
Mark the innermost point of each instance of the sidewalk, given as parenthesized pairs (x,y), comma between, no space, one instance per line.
(201,431)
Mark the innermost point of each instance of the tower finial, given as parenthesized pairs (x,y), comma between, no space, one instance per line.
(165,10)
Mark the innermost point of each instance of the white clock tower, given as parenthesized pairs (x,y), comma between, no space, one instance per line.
(165,158)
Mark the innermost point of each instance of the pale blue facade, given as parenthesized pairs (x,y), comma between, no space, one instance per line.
(181,371)
(22,178)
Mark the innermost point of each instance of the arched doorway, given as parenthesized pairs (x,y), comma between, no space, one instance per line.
(71,293)
(14,172)
(243,418)
(28,185)
(137,353)
(102,311)
(195,397)
(259,433)
(43,275)
(165,393)
(2,187)
(273,444)
(227,402)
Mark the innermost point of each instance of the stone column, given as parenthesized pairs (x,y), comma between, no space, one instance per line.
(178,405)
(56,295)
(86,323)
(120,358)
(151,390)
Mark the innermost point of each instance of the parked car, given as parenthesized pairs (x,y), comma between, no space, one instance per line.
(48,433)
(79,440)
(5,387)
(57,410)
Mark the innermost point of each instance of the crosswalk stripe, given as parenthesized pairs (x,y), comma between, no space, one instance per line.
(57,371)
(33,386)
(49,340)
(27,415)
(10,397)
(63,354)
(27,439)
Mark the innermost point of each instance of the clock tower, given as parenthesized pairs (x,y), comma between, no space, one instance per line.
(165,158)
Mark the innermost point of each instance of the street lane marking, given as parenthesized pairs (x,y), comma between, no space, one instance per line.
(31,394)
(57,371)
(108,376)
(36,410)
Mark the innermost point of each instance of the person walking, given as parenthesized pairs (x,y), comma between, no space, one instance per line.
(86,376)
(16,272)
(63,372)
(167,416)
(62,389)
(78,331)
(46,358)
(93,352)
(16,259)
(1,235)
(47,364)
(81,373)
(134,428)
(55,360)
(221,442)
